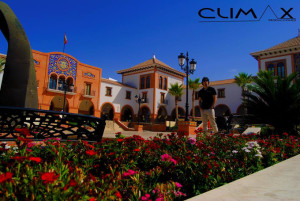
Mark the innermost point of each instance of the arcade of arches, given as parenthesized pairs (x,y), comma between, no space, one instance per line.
(57,104)
(127,113)
(86,107)
(108,111)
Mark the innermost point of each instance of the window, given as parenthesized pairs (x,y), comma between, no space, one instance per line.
(160,82)
(221,93)
(144,96)
(128,95)
(278,67)
(61,80)
(271,67)
(143,83)
(162,98)
(70,82)
(148,82)
(88,87)
(297,64)
(53,82)
(108,91)
(165,83)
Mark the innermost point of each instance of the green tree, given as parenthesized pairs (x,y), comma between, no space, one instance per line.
(194,85)
(2,64)
(176,90)
(275,101)
(243,79)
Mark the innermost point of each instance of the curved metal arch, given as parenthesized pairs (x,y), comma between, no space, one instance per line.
(19,87)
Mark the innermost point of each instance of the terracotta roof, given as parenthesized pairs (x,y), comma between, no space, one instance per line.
(149,64)
(292,43)
(219,82)
(116,83)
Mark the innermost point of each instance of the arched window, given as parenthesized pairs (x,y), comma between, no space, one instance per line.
(160,82)
(61,80)
(280,69)
(142,83)
(165,83)
(70,82)
(148,82)
(53,81)
(271,67)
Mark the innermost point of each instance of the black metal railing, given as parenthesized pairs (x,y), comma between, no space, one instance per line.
(49,124)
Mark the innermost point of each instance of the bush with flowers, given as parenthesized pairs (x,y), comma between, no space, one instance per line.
(172,167)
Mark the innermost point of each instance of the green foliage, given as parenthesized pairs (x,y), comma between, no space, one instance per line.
(243,79)
(176,90)
(194,84)
(275,101)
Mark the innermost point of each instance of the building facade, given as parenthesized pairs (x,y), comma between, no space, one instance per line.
(94,95)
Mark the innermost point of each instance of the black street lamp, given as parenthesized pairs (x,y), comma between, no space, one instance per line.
(188,70)
(139,100)
(66,87)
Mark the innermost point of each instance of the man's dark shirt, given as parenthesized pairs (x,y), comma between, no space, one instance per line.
(207,97)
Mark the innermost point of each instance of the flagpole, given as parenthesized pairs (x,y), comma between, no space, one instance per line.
(65,41)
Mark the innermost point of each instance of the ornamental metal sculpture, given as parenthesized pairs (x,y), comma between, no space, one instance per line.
(19,87)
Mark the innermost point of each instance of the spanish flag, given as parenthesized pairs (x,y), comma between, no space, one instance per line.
(65,39)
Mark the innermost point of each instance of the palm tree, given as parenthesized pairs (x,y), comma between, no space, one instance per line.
(177,91)
(2,63)
(275,101)
(243,79)
(194,85)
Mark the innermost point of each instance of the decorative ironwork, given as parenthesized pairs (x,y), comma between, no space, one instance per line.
(49,124)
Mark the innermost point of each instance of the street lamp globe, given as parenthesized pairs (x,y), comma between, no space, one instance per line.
(193,65)
(181,59)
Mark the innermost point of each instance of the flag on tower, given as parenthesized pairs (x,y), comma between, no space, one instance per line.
(65,39)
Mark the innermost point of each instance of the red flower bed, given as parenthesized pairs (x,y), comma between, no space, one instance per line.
(174,167)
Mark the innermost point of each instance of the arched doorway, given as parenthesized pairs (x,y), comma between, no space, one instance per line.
(108,111)
(145,114)
(86,107)
(181,113)
(127,113)
(57,102)
(222,110)
(162,114)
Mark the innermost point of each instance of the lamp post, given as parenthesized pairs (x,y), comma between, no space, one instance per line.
(188,70)
(139,100)
(65,86)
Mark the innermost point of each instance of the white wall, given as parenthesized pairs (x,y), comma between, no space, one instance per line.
(118,98)
(233,96)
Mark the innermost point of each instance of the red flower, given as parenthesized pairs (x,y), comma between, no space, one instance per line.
(136,150)
(49,177)
(93,178)
(36,159)
(118,194)
(72,182)
(19,158)
(5,176)
(120,140)
(91,152)
(23,131)
(92,199)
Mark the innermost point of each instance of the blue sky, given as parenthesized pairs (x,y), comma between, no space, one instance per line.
(118,34)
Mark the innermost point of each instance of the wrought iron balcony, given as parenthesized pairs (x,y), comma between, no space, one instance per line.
(61,90)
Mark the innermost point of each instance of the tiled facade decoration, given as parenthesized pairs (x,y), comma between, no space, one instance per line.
(62,64)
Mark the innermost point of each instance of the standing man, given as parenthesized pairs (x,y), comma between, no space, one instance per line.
(207,101)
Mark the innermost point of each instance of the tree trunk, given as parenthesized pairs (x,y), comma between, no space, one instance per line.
(176,108)
(193,104)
